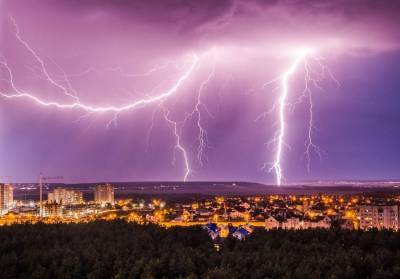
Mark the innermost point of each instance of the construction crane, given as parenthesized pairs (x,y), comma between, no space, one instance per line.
(41,179)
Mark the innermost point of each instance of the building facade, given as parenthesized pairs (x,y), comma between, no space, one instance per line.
(294,223)
(271,223)
(52,210)
(380,217)
(65,196)
(322,223)
(104,194)
(291,224)
(6,198)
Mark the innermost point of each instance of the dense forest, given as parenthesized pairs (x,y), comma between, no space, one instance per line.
(125,250)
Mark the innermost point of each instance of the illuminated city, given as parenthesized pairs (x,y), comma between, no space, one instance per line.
(376,207)
(199,139)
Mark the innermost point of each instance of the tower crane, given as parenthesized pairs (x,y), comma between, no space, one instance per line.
(41,179)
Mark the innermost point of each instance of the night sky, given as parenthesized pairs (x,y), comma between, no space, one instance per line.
(115,52)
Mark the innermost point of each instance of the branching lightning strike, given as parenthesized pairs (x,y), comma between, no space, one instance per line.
(158,99)
(196,114)
(177,126)
(281,106)
(90,108)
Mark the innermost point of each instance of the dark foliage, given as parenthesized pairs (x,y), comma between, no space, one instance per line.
(121,250)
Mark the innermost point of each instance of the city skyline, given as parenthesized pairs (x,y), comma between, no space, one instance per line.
(114,54)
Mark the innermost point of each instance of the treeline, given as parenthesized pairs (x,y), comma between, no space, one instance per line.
(121,250)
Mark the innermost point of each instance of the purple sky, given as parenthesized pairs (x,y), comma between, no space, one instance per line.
(356,124)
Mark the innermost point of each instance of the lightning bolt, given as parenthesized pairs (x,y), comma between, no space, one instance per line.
(158,99)
(42,64)
(91,108)
(312,78)
(282,104)
(176,128)
(309,144)
(197,112)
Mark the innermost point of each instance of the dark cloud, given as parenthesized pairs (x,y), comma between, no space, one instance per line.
(357,23)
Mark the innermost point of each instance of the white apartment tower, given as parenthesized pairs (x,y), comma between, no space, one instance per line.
(6,198)
(103,194)
(380,217)
(65,196)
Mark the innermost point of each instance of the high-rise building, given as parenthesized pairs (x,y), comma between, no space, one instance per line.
(6,198)
(65,196)
(103,194)
(52,210)
(380,217)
